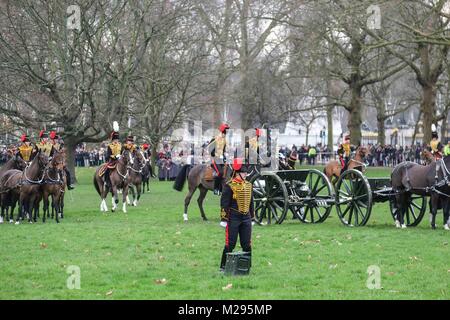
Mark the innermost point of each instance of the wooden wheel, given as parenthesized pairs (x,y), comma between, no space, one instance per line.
(415,209)
(353,198)
(269,197)
(312,201)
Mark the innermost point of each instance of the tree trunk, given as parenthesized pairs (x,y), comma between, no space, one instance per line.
(70,146)
(428,108)
(330,127)
(355,121)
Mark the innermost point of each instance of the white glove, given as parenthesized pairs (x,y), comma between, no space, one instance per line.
(223,224)
(118,157)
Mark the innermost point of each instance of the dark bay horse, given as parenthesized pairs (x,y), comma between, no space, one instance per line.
(53,186)
(119,180)
(135,176)
(333,168)
(199,177)
(15,163)
(18,185)
(431,180)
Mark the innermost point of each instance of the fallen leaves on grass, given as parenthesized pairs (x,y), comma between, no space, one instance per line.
(109,293)
(390,273)
(333,266)
(161,281)
(309,242)
(227,287)
(43,245)
(414,258)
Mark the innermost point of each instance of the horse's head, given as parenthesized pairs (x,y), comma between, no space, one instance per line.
(139,157)
(362,151)
(127,157)
(427,156)
(58,161)
(41,159)
(19,163)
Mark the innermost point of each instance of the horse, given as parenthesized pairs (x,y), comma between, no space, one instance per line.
(14,184)
(146,174)
(119,180)
(200,177)
(427,156)
(53,186)
(430,180)
(15,163)
(135,176)
(333,169)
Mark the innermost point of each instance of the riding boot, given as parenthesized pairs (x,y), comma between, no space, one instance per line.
(217,183)
(107,179)
(69,179)
(224,258)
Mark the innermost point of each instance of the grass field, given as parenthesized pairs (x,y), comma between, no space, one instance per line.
(150,253)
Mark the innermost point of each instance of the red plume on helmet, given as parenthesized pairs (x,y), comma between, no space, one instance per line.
(23,138)
(237,164)
(145,146)
(52,134)
(258,132)
(43,134)
(223,127)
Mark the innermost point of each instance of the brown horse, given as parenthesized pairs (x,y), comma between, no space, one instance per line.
(18,185)
(15,163)
(199,177)
(431,180)
(53,186)
(333,168)
(119,180)
(135,176)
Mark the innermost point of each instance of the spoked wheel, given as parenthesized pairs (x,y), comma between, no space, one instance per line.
(353,198)
(312,201)
(270,198)
(415,210)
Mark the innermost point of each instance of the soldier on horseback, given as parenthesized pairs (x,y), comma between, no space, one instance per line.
(218,152)
(58,145)
(113,153)
(45,146)
(26,149)
(344,151)
(435,144)
(237,211)
(129,144)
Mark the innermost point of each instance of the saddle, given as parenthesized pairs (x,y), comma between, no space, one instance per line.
(105,166)
(209,174)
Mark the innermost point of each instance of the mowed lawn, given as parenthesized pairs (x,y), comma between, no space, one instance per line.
(150,253)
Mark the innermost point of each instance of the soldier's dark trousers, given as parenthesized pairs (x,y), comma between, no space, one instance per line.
(238,225)
(218,178)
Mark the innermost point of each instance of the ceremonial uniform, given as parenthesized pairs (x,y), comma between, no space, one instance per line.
(218,145)
(113,153)
(129,144)
(148,156)
(25,150)
(58,146)
(237,211)
(252,148)
(45,146)
(344,151)
(436,145)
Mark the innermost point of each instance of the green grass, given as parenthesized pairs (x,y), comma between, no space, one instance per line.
(122,256)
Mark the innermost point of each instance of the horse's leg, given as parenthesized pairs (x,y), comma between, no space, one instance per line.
(45,206)
(138,194)
(61,204)
(124,198)
(131,188)
(447,214)
(55,204)
(187,200)
(434,209)
(399,208)
(115,199)
(201,197)
(2,215)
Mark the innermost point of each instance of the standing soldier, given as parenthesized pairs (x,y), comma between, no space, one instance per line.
(344,151)
(44,146)
(219,148)
(148,157)
(113,152)
(435,144)
(237,211)
(58,145)
(252,148)
(25,150)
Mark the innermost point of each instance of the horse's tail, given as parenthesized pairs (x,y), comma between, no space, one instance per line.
(96,184)
(181,178)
